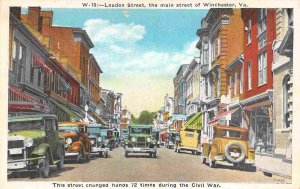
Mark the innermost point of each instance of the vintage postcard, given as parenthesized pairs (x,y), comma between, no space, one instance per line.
(149,94)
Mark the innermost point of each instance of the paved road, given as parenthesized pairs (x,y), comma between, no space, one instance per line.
(168,166)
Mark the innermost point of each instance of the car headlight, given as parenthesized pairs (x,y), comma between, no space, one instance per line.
(99,139)
(28,142)
(68,140)
(148,139)
(133,139)
(92,142)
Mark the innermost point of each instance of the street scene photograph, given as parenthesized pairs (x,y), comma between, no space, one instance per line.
(150,95)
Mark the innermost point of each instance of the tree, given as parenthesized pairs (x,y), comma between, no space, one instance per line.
(145,118)
(134,120)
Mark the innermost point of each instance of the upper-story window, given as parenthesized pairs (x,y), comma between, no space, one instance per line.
(249,75)
(262,27)
(205,52)
(219,44)
(249,38)
(262,21)
(189,87)
(262,68)
(19,59)
(229,86)
(235,83)
(285,102)
(213,50)
(290,13)
(218,82)
(241,81)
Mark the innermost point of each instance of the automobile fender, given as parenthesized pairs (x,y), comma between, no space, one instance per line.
(41,150)
(214,150)
(60,147)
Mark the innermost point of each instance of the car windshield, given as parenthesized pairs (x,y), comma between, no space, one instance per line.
(67,129)
(26,125)
(94,130)
(140,130)
(232,134)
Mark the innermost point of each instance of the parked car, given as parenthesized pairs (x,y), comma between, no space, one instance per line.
(171,140)
(98,144)
(77,143)
(123,137)
(228,144)
(188,140)
(34,144)
(140,140)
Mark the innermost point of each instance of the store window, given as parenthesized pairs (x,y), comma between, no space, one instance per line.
(263,131)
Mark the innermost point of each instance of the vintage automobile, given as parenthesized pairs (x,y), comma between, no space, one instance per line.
(98,143)
(123,137)
(34,144)
(140,140)
(188,140)
(171,140)
(228,144)
(77,143)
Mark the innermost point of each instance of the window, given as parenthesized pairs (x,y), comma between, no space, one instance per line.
(218,82)
(290,13)
(234,84)
(205,52)
(249,31)
(285,102)
(262,68)
(213,50)
(19,58)
(206,87)
(235,80)
(31,73)
(229,86)
(219,44)
(241,81)
(249,75)
(39,77)
(262,21)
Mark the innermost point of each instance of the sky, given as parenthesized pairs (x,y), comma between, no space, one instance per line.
(138,50)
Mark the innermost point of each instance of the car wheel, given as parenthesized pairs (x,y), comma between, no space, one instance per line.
(88,157)
(60,164)
(45,168)
(105,154)
(126,154)
(154,154)
(79,157)
(211,162)
(203,159)
(100,154)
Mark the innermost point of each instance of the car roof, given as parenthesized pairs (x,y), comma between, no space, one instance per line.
(230,128)
(32,117)
(70,124)
(140,126)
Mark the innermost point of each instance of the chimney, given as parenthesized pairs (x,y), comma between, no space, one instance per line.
(34,19)
(47,17)
(16,11)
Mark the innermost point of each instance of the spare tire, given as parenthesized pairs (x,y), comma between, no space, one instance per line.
(235,157)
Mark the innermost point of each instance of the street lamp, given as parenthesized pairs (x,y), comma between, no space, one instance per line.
(86,108)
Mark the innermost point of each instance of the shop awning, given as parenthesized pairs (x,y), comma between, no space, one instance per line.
(258,105)
(195,122)
(99,119)
(72,115)
(224,114)
(19,101)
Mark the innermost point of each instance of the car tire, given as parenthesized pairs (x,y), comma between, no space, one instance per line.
(203,159)
(79,157)
(154,154)
(100,154)
(126,154)
(211,163)
(45,169)
(228,156)
(60,164)
(105,154)
(87,157)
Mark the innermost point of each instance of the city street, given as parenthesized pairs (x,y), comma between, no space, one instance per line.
(168,166)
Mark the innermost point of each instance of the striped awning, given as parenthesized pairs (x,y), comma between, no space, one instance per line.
(195,122)
(224,114)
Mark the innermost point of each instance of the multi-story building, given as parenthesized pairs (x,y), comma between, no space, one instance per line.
(125,119)
(38,83)
(71,47)
(179,90)
(281,161)
(220,43)
(259,35)
(168,107)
